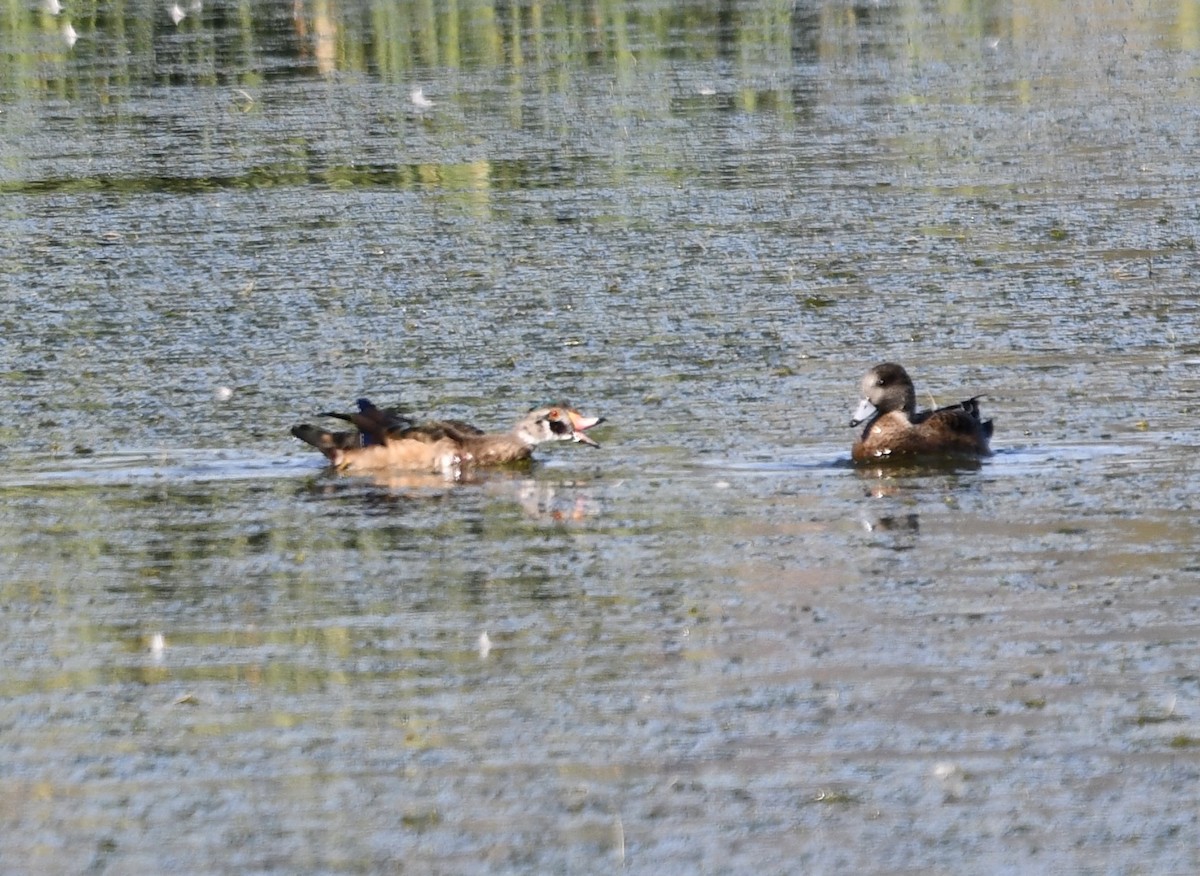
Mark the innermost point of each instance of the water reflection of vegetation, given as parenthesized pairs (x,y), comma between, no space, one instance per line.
(117,43)
(552,60)
(451,177)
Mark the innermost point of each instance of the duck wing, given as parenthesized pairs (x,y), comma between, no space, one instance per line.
(375,424)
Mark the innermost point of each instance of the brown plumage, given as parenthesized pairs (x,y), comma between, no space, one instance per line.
(895,429)
(400,454)
(386,441)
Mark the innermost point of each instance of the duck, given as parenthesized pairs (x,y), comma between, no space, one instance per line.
(386,439)
(893,428)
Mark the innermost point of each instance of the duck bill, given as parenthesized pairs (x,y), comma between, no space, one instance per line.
(863,412)
(580,424)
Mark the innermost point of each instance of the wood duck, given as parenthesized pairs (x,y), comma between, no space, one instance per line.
(895,429)
(387,439)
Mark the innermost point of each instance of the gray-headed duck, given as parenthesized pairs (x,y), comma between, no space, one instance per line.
(895,429)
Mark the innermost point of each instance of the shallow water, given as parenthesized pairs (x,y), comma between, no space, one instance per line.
(712,645)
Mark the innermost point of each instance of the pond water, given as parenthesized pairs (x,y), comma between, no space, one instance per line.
(713,645)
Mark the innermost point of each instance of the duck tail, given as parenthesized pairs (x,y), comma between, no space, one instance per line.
(324,441)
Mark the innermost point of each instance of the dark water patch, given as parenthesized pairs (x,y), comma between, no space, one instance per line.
(501,176)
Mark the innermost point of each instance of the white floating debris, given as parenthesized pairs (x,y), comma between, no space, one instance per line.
(244,101)
(485,646)
(419,100)
(68,34)
(222,393)
(51,7)
(177,14)
(158,644)
(952,777)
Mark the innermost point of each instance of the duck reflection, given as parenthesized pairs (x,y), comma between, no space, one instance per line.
(901,523)
(898,533)
(556,501)
(888,478)
(560,502)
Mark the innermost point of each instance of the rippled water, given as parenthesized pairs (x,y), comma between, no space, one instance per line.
(712,645)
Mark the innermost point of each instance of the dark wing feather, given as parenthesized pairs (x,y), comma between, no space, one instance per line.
(374,424)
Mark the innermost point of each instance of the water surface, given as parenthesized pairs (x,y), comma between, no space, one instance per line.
(711,646)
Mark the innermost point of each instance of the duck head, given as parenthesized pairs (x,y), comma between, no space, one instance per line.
(885,388)
(556,423)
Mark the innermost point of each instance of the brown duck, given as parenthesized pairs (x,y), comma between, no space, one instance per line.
(895,429)
(387,439)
